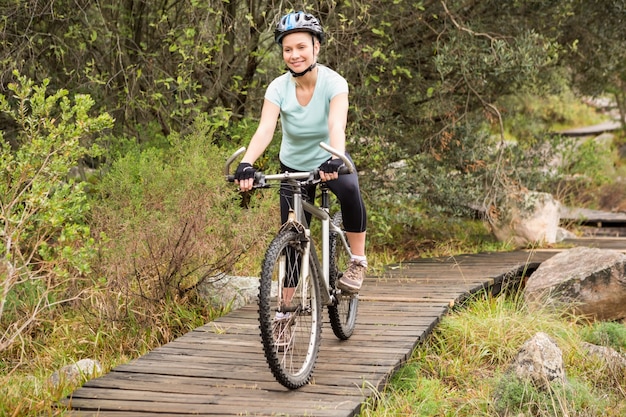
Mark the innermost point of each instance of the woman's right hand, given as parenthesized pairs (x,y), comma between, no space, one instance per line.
(244,176)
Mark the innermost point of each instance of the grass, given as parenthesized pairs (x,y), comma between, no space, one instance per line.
(461,370)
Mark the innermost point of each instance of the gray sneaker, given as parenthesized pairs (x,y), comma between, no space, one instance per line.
(281,328)
(352,279)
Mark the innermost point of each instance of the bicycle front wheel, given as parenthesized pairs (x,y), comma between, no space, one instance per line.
(342,313)
(290,321)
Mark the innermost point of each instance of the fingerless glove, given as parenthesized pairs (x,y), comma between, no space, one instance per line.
(331,165)
(244,171)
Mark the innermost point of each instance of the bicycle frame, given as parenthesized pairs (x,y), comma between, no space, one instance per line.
(298,222)
(297,219)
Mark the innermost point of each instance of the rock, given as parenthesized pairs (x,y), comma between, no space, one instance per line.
(614,360)
(590,281)
(539,361)
(72,374)
(527,218)
(563,234)
(233,291)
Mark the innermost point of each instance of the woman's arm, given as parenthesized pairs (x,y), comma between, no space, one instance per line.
(261,139)
(264,132)
(337,120)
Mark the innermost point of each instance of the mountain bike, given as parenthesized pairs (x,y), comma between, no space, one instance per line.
(295,283)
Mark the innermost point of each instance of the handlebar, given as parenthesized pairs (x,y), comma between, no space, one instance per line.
(261,178)
(230,160)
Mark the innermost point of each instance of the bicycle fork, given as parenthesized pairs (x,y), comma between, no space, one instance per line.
(287,271)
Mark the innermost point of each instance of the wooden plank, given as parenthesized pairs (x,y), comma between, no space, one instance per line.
(396,299)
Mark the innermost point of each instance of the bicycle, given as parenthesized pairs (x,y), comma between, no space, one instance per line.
(291,342)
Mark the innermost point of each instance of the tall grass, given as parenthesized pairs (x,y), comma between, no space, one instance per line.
(461,370)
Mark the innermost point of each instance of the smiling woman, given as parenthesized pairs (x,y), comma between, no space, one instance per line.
(300,54)
(312,103)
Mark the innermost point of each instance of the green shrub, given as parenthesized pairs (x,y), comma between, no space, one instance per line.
(172,223)
(462,369)
(45,245)
(609,334)
(515,397)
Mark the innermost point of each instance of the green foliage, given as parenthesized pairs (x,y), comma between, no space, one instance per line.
(27,391)
(410,395)
(427,78)
(609,334)
(463,368)
(543,160)
(521,398)
(528,117)
(453,176)
(45,241)
(173,224)
(156,69)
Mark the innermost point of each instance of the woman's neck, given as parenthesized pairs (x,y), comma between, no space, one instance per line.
(308,80)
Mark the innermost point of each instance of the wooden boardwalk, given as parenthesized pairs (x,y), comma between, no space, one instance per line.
(601,220)
(219,369)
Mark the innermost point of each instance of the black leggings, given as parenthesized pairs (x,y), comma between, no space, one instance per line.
(346,188)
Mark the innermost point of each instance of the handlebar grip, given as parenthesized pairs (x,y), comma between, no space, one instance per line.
(344,170)
(258,178)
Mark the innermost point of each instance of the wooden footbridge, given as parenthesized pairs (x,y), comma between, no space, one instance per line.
(219,369)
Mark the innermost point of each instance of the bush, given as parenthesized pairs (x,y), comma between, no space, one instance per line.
(171,223)
(45,244)
(521,398)
(609,334)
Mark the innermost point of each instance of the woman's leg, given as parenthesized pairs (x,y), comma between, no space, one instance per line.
(346,188)
(286,203)
(357,242)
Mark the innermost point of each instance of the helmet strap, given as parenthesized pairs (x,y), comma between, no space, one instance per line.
(300,74)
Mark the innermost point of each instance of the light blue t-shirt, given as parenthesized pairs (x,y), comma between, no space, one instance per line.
(304,127)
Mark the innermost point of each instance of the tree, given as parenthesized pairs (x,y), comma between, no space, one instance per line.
(146,63)
(427,77)
(597,49)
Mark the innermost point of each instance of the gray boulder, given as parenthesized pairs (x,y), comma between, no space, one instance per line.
(527,218)
(72,374)
(228,290)
(539,361)
(615,360)
(588,281)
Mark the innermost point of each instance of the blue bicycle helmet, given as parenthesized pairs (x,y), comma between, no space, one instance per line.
(298,22)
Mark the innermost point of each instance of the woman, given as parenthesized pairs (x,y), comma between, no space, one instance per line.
(312,102)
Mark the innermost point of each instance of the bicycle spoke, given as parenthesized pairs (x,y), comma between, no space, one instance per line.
(291,338)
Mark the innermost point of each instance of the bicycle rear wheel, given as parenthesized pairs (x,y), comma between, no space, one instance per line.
(342,313)
(291,343)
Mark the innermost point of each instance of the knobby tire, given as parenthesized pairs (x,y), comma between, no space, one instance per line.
(342,313)
(293,365)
